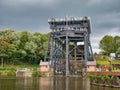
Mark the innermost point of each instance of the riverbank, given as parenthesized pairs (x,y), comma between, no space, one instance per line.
(7,71)
(14,70)
(107,81)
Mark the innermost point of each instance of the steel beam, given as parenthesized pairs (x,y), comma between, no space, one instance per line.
(65,32)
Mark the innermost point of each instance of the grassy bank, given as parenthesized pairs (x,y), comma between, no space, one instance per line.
(10,70)
(106,62)
(105,80)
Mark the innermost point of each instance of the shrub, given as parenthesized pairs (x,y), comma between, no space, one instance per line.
(38,74)
(11,73)
(92,78)
(99,79)
(104,79)
(2,68)
(107,80)
(7,68)
(12,69)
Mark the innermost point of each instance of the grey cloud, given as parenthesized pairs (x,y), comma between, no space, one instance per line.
(18,3)
(33,16)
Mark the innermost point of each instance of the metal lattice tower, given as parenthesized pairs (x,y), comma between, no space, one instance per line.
(69,46)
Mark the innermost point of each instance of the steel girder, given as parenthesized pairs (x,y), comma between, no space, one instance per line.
(65,54)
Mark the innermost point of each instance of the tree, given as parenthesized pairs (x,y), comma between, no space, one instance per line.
(41,41)
(30,48)
(13,47)
(118,51)
(22,47)
(116,42)
(4,46)
(25,36)
(107,45)
(110,44)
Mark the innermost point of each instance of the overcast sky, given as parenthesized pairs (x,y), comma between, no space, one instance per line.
(33,15)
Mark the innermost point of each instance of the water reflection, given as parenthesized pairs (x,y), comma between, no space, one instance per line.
(54,83)
(63,83)
(86,84)
(27,84)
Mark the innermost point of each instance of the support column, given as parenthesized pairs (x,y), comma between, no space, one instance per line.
(75,54)
(51,53)
(85,52)
(67,56)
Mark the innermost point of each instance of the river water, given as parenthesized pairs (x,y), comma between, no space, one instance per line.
(54,83)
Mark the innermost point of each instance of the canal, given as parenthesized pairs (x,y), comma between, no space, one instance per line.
(54,83)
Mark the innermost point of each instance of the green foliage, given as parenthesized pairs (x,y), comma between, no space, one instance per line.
(2,68)
(118,51)
(92,78)
(38,74)
(22,47)
(106,62)
(11,73)
(7,68)
(103,62)
(109,44)
(106,44)
(106,79)
(116,42)
(4,46)
(102,79)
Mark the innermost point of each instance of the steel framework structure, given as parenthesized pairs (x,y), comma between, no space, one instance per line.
(69,46)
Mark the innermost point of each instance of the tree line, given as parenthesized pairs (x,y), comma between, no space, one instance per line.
(29,48)
(22,47)
(110,44)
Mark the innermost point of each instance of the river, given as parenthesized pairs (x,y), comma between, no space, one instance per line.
(54,83)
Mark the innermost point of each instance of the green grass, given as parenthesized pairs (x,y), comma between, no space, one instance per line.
(106,62)
(116,62)
(102,62)
(11,73)
(38,74)
(7,68)
(27,65)
(10,70)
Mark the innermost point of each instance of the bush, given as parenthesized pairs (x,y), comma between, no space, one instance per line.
(107,79)
(11,73)
(12,69)
(92,78)
(7,68)
(104,79)
(38,74)
(2,68)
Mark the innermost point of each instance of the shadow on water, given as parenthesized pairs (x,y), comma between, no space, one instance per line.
(54,83)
